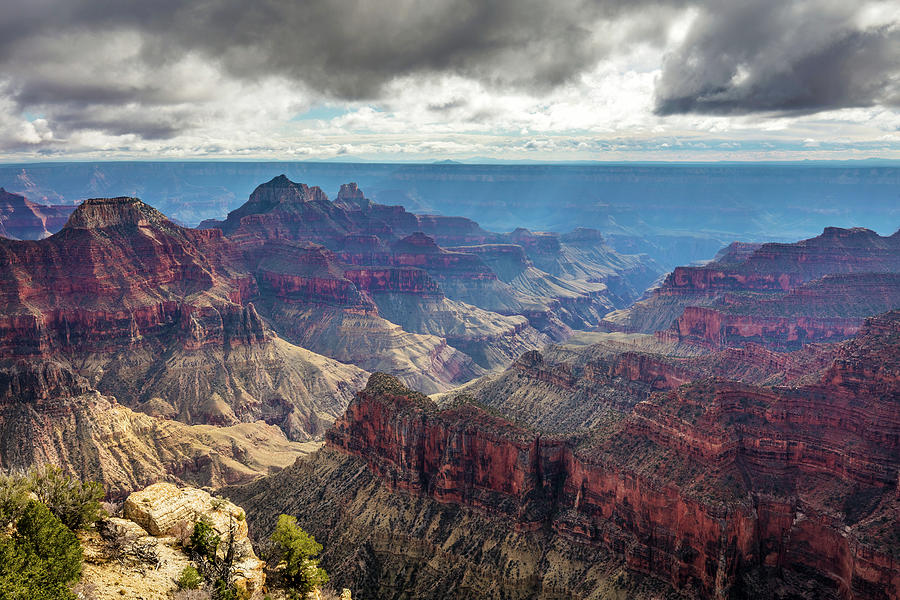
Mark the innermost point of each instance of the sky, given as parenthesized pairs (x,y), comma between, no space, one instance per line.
(424,80)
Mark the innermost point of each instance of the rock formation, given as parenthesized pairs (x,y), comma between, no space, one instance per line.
(21,219)
(781,295)
(717,488)
(828,309)
(229,331)
(48,414)
(156,519)
(183,333)
(367,234)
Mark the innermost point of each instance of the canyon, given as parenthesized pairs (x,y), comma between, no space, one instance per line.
(272,318)
(780,295)
(22,219)
(719,489)
(504,414)
(675,213)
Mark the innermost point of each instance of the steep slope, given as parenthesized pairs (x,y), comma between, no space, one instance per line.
(282,209)
(490,339)
(595,378)
(385,544)
(717,488)
(148,310)
(579,304)
(319,303)
(21,219)
(348,304)
(48,414)
(582,254)
(828,309)
(285,385)
(364,233)
(574,275)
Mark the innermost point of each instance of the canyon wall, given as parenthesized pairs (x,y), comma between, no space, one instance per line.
(702,486)
(782,295)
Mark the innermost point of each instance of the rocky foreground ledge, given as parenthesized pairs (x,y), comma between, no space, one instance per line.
(139,555)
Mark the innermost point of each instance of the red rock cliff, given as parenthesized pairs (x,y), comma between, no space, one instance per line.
(22,219)
(825,310)
(117,273)
(464,455)
(700,486)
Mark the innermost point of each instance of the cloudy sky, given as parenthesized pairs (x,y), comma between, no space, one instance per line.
(432,79)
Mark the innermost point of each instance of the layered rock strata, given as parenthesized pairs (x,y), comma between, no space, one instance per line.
(715,487)
(161,317)
(367,234)
(22,219)
(48,414)
(782,295)
(824,310)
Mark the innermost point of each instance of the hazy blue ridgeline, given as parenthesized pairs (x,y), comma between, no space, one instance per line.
(677,213)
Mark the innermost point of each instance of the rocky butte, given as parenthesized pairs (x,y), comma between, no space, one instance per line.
(781,295)
(365,233)
(156,313)
(717,488)
(131,351)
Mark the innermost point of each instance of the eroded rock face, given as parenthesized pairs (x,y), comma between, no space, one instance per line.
(576,385)
(463,455)
(781,295)
(146,310)
(825,310)
(48,414)
(705,486)
(204,328)
(371,235)
(77,290)
(21,219)
(326,271)
(385,544)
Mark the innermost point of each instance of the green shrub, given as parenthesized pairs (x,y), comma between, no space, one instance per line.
(13,498)
(298,550)
(190,578)
(215,557)
(74,503)
(204,541)
(41,559)
(222,590)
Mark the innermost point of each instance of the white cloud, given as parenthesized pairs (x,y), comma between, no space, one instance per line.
(117,94)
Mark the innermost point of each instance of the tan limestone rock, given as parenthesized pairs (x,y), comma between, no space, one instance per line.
(163,509)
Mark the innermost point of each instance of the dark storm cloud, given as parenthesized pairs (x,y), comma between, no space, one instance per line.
(146,126)
(740,56)
(350,48)
(449,105)
(772,55)
(338,49)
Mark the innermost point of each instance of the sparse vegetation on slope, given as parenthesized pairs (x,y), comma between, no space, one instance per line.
(40,555)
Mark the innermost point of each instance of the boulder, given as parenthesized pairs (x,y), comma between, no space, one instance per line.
(165,509)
